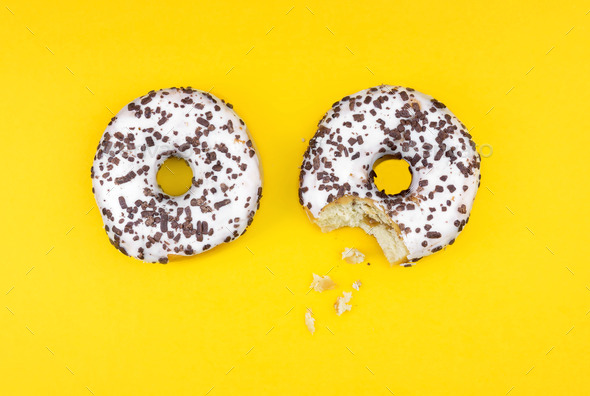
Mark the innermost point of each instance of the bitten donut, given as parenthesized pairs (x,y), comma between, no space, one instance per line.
(143,221)
(336,184)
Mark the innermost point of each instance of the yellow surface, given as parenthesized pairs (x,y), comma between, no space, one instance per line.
(504,310)
(174,176)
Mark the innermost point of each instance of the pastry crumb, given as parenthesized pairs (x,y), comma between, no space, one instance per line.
(321,283)
(341,305)
(309,322)
(356,285)
(352,256)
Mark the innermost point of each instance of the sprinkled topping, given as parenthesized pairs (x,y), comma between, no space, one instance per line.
(404,124)
(140,219)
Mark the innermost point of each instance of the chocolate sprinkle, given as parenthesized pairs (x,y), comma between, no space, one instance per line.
(405,124)
(143,221)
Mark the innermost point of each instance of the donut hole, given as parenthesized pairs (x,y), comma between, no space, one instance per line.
(174,176)
(392,175)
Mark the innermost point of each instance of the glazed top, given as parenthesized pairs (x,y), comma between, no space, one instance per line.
(409,125)
(140,219)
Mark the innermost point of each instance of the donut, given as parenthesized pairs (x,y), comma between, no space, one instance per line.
(336,182)
(140,219)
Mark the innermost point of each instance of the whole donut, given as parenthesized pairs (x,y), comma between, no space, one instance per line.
(336,184)
(143,221)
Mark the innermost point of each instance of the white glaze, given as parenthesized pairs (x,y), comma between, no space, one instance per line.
(140,219)
(366,126)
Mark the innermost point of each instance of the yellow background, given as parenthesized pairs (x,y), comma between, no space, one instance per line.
(504,310)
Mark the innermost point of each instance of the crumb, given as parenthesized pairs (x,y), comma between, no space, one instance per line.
(341,305)
(321,283)
(356,285)
(359,212)
(302,140)
(352,256)
(309,322)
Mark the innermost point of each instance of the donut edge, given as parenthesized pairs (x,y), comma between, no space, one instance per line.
(181,255)
(364,213)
